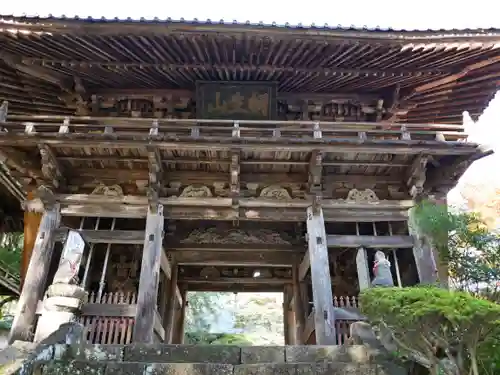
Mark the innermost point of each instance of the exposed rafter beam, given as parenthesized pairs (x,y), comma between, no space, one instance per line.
(270,68)
(405,102)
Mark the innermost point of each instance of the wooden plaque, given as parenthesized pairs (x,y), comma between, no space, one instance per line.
(236,100)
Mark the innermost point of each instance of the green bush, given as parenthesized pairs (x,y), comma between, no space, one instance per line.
(434,322)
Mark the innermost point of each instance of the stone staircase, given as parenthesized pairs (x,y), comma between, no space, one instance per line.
(65,352)
(210,360)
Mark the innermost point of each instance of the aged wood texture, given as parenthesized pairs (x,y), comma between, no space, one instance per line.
(172,304)
(324,317)
(149,278)
(299,314)
(381,242)
(181,319)
(36,277)
(363,270)
(31,224)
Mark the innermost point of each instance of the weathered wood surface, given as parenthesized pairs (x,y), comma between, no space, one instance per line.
(299,313)
(324,316)
(260,209)
(225,258)
(381,242)
(172,305)
(126,237)
(149,277)
(363,269)
(166,142)
(71,258)
(36,277)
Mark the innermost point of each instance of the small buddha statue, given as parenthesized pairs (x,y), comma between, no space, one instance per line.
(382,271)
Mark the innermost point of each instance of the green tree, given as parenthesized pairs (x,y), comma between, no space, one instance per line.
(433,323)
(11,246)
(465,243)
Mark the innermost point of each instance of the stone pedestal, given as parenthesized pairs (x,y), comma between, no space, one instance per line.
(62,305)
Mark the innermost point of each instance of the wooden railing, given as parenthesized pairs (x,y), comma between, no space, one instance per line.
(9,278)
(198,128)
(342,326)
(109,320)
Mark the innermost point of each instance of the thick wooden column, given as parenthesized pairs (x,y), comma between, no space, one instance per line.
(324,319)
(299,314)
(31,225)
(363,269)
(36,276)
(172,303)
(149,277)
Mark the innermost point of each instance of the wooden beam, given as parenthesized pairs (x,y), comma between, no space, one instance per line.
(125,237)
(235,280)
(245,144)
(334,163)
(297,306)
(304,266)
(36,277)
(149,277)
(272,259)
(32,222)
(169,319)
(372,242)
(240,248)
(234,177)
(236,288)
(324,318)
(332,214)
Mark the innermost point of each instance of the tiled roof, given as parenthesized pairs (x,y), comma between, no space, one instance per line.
(195,21)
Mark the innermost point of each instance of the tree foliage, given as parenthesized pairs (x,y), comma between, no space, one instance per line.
(431,323)
(465,243)
(11,246)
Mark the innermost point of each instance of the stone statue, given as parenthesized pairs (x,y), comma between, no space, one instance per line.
(382,271)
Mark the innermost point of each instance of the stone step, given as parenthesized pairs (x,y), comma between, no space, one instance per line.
(221,354)
(143,368)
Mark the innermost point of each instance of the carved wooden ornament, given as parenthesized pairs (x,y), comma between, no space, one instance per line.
(110,191)
(362,196)
(275,192)
(234,236)
(193,191)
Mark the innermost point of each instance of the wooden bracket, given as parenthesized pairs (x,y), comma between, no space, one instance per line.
(416,176)
(51,168)
(315,173)
(155,177)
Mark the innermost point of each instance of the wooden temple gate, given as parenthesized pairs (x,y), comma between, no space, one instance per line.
(230,183)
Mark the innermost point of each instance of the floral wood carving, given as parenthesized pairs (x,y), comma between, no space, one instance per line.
(275,192)
(234,236)
(360,196)
(110,191)
(194,191)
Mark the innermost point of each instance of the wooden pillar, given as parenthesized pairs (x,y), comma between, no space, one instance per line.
(324,319)
(299,314)
(286,317)
(31,225)
(36,276)
(149,277)
(363,270)
(181,321)
(172,302)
